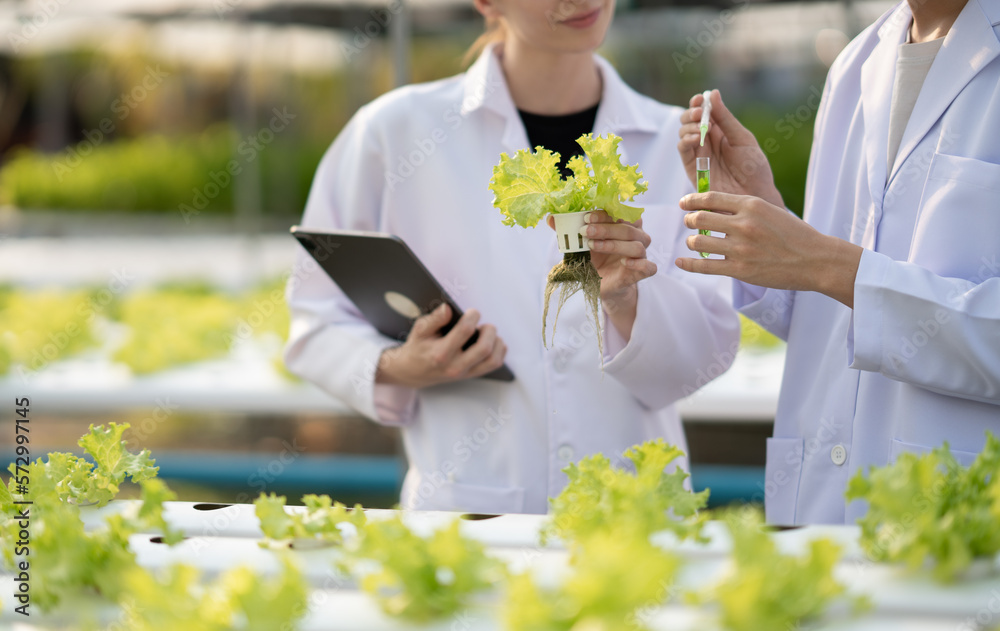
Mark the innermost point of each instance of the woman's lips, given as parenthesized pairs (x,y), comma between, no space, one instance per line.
(583,21)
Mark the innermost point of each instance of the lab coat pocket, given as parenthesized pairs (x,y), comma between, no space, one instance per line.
(959,219)
(781,479)
(473,498)
(899,447)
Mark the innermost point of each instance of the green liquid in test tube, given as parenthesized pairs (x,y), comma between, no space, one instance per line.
(704,185)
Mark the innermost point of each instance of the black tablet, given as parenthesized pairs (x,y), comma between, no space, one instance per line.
(384,279)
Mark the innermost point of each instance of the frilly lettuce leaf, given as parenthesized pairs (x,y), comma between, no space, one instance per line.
(66,561)
(615,181)
(639,504)
(930,508)
(523,186)
(74,479)
(421,579)
(612,579)
(767,589)
(175,599)
(320,521)
(528,186)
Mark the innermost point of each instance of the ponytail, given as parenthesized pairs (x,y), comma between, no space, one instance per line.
(495,32)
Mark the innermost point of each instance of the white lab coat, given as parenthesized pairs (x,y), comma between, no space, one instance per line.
(917,362)
(416,163)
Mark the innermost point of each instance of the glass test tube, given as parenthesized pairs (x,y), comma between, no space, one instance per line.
(704,185)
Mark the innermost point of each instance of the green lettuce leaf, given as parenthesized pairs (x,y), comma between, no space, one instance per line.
(66,561)
(615,181)
(928,508)
(422,579)
(602,498)
(320,522)
(523,186)
(175,599)
(528,186)
(74,479)
(612,578)
(766,589)
(114,462)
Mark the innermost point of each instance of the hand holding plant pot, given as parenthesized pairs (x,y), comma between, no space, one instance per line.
(528,187)
(618,253)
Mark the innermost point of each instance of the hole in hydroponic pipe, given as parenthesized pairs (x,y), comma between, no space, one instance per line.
(580,239)
(207,506)
(782,528)
(566,239)
(477,516)
(159,539)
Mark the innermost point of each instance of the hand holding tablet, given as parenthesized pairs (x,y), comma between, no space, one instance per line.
(401,299)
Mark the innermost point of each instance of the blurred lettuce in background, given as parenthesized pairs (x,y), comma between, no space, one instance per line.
(155,173)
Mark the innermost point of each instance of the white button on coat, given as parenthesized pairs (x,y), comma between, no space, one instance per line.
(417,163)
(838,455)
(565,453)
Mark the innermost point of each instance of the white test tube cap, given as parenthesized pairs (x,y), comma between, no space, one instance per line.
(702,164)
(569,228)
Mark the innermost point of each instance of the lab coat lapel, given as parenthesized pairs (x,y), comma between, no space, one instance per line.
(970,45)
(486,87)
(877,76)
(621,108)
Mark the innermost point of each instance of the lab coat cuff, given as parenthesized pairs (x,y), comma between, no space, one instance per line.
(865,334)
(614,342)
(618,352)
(630,353)
(746,295)
(384,404)
(394,405)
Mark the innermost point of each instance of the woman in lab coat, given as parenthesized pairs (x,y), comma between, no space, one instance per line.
(888,293)
(416,163)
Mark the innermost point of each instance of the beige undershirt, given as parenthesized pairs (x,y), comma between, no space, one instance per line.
(912,65)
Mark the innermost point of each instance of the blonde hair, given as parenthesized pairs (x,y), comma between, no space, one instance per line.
(495,32)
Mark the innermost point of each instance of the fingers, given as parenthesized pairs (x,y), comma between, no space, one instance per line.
(475,354)
(708,244)
(704,220)
(639,269)
(428,325)
(598,216)
(714,200)
(627,249)
(730,127)
(618,232)
(492,362)
(714,267)
(452,343)
(551,221)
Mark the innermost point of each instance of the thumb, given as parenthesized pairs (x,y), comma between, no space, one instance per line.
(728,124)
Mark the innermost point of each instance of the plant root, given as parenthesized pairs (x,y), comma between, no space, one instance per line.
(573,274)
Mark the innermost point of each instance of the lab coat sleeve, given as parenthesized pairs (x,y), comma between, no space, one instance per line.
(685,334)
(770,308)
(911,325)
(330,344)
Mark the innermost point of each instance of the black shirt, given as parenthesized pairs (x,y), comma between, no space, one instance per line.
(559,133)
